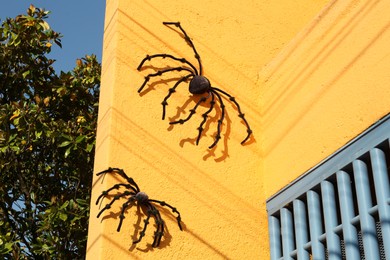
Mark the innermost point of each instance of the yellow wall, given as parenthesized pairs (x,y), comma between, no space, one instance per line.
(303,99)
(331,82)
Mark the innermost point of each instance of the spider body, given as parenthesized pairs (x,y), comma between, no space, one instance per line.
(199,85)
(141,197)
(133,195)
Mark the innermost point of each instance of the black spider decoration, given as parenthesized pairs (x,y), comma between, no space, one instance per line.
(199,85)
(133,196)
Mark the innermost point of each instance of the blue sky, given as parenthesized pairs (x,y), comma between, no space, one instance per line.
(80,22)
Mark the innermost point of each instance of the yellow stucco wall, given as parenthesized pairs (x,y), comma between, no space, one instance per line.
(303,99)
(328,84)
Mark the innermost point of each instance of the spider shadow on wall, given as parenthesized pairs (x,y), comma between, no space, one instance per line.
(182,111)
(162,81)
(166,240)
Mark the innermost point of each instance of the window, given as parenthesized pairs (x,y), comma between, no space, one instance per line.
(340,209)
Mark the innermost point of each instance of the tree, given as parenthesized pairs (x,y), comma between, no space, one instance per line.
(47,139)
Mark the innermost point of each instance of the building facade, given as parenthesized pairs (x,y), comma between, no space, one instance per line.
(309,76)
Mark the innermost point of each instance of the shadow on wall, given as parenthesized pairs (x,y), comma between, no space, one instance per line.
(308,67)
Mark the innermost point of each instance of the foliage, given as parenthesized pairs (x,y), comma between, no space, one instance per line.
(47,138)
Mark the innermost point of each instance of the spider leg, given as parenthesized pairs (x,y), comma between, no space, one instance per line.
(189,41)
(192,112)
(122,173)
(205,116)
(151,211)
(142,233)
(116,186)
(240,114)
(116,197)
(124,207)
(182,60)
(159,73)
(158,234)
(173,90)
(110,169)
(174,210)
(220,120)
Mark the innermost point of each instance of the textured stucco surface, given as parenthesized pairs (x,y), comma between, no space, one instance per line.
(329,84)
(220,193)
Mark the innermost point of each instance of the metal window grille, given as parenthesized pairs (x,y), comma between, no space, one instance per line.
(340,209)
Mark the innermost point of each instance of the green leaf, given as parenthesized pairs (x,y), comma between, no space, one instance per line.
(67,137)
(38,134)
(71,204)
(45,25)
(80,138)
(81,201)
(7,247)
(67,152)
(26,73)
(16,121)
(12,137)
(63,216)
(65,143)
(63,206)
(89,147)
